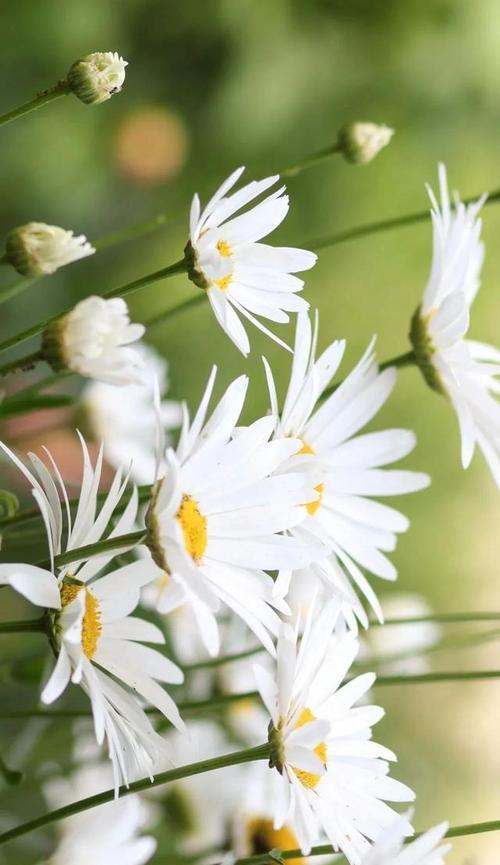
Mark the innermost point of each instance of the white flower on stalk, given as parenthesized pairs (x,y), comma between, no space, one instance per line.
(97,640)
(97,77)
(390,848)
(347,469)
(239,274)
(463,370)
(93,340)
(361,142)
(125,420)
(107,835)
(215,519)
(334,779)
(37,249)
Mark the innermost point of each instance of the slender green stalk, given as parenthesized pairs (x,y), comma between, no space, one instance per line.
(261,752)
(174,311)
(62,88)
(223,659)
(14,289)
(119,543)
(11,407)
(441,618)
(310,161)
(21,363)
(132,232)
(29,626)
(384,225)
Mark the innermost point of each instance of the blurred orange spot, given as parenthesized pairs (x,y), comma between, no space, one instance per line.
(151,145)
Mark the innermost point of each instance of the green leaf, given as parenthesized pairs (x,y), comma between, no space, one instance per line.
(9,504)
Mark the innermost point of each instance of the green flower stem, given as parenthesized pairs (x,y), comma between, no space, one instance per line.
(223,659)
(15,288)
(441,618)
(120,542)
(174,311)
(384,225)
(132,232)
(122,291)
(401,360)
(21,363)
(62,88)
(30,626)
(261,752)
(310,161)
(13,406)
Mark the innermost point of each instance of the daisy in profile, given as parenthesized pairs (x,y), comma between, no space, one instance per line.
(110,834)
(215,520)
(465,371)
(348,470)
(124,418)
(241,276)
(98,643)
(333,777)
(390,848)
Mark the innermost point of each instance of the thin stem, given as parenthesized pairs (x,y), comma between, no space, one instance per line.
(14,289)
(310,161)
(261,752)
(60,89)
(21,363)
(174,311)
(401,360)
(441,618)
(123,290)
(384,225)
(133,231)
(120,542)
(223,659)
(29,626)
(431,678)
(13,406)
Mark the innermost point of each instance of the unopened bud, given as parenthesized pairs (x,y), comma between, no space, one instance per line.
(37,249)
(360,142)
(97,77)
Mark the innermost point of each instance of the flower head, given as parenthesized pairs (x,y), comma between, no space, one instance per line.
(216,517)
(334,779)
(347,470)
(98,76)
(465,371)
(107,835)
(93,340)
(125,420)
(361,142)
(98,642)
(390,848)
(238,273)
(37,249)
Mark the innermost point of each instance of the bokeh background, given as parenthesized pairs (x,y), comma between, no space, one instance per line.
(215,84)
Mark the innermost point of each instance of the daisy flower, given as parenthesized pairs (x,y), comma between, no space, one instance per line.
(347,469)
(107,835)
(98,642)
(239,274)
(215,518)
(94,340)
(334,779)
(38,249)
(465,371)
(125,420)
(390,848)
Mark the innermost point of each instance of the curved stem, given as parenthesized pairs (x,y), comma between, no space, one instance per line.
(122,291)
(120,542)
(261,752)
(441,618)
(29,626)
(21,363)
(62,88)
(401,360)
(310,161)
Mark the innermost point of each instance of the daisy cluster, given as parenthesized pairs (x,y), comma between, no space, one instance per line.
(264,537)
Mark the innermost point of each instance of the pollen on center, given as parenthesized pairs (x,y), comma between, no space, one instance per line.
(194,527)
(224,282)
(223,248)
(309,779)
(262,836)
(91,625)
(305,449)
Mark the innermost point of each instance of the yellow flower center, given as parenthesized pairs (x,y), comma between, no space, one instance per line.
(194,527)
(224,249)
(305,449)
(309,779)
(224,282)
(262,836)
(91,625)
(313,506)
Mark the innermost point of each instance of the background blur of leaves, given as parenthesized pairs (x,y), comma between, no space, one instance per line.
(219,83)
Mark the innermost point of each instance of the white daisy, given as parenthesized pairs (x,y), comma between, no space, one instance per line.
(390,848)
(463,370)
(107,835)
(125,420)
(98,642)
(347,469)
(215,518)
(334,779)
(239,274)
(93,340)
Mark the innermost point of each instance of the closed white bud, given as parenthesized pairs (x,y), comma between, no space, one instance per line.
(97,77)
(93,339)
(360,142)
(37,249)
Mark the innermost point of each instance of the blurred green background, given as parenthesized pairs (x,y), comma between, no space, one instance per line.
(211,85)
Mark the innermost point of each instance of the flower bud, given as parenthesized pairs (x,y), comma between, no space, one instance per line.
(93,340)
(360,142)
(97,77)
(37,249)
